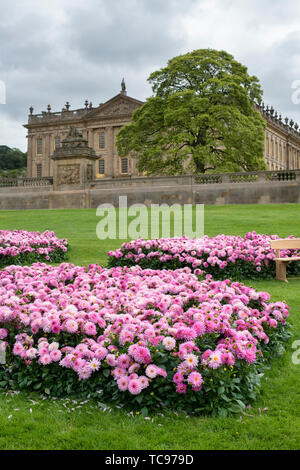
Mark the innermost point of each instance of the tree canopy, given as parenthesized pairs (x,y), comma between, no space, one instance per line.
(11,158)
(201,118)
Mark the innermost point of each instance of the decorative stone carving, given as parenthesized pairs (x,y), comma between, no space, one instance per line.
(68,174)
(74,161)
(74,145)
(117,109)
(89,172)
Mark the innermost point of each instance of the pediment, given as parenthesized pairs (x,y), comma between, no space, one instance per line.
(120,105)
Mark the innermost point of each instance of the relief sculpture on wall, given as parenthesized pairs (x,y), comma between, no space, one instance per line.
(68,174)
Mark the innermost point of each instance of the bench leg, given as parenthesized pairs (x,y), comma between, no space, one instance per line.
(281,271)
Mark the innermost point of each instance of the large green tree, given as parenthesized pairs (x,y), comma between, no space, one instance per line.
(201,117)
(11,158)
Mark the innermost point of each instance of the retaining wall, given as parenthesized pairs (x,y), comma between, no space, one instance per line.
(236,188)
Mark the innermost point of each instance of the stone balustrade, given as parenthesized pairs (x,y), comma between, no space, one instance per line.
(247,177)
(166,181)
(65,115)
(23,182)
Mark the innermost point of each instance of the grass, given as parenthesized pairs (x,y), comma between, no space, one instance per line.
(273,422)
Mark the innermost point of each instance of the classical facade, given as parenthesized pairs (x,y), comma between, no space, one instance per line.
(99,126)
(282,140)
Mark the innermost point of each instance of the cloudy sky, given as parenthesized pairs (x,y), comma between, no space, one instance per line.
(57,50)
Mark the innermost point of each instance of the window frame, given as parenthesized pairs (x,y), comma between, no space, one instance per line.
(39,139)
(102,145)
(121,165)
(39,169)
(55,145)
(101,160)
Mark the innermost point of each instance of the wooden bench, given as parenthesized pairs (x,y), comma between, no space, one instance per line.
(281,263)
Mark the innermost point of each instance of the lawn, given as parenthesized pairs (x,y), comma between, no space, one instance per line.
(272,422)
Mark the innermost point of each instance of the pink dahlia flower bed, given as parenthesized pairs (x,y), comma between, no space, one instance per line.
(222,256)
(21,247)
(142,337)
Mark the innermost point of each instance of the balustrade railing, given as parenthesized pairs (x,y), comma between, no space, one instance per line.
(248,177)
(22,182)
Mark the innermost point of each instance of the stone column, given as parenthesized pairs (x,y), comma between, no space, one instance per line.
(287,154)
(29,155)
(47,155)
(90,138)
(110,151)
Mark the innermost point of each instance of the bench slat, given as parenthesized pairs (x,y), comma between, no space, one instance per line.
(285,243)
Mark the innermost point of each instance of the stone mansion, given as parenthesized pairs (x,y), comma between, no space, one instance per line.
(99,126)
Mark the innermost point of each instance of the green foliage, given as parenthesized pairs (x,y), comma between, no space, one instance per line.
(12,158)
(56,256)
(239,270)
(13,174)
(225,390)
(201,118)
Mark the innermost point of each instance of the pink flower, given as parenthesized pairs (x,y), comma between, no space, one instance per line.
(123,361)
(100,352)
(71,326)
(195,379)
(84,373)
(90,328)
(178,378)
(181,388)
(191,360)
(118,372)
(3,333)
(134,387)
(169,343)
(111,360)
(45,359)
(143,381)
(215,360)
(123,383)
(151,371)
(18,349)
(55,355)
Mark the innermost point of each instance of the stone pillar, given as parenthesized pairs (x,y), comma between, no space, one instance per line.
(90,138)
(48,152)
(110,151)
(29,155)
(95,144)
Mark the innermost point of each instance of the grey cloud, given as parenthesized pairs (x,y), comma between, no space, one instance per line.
(53,51)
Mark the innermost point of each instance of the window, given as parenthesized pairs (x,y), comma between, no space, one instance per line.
(39,170)
(102,140)
(124,165)
(101,167)
(57,142)
(39,146)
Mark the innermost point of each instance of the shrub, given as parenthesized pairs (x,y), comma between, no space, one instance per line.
(223,256)
(143,338)
(21,247)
